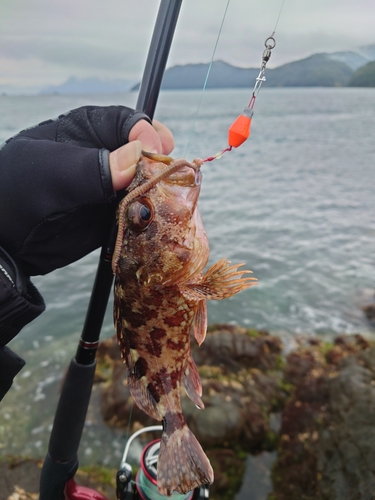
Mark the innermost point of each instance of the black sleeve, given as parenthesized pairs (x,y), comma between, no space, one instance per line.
(56,195)
(10,365)
(20,301)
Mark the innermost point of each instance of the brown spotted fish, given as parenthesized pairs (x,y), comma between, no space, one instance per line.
(160,296)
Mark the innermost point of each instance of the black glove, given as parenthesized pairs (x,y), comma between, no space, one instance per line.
(56,194)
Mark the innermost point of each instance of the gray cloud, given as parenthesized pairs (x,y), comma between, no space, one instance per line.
(60,38)
(66,52)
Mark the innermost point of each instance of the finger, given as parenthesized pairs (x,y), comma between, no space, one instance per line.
(165,135)
(123,162)
(144,132)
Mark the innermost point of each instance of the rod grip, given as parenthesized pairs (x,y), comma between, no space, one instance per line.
(54,477)
(71,411)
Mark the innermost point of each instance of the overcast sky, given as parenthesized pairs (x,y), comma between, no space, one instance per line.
(44,42)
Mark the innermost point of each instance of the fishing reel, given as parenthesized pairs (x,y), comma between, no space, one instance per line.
(145,485)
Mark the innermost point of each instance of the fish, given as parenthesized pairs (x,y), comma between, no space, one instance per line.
(160,296)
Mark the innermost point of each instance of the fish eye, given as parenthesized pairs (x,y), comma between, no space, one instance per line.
(140,214)
(145,213)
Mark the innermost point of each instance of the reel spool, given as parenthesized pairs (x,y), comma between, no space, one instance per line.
(145,485)
(146,478)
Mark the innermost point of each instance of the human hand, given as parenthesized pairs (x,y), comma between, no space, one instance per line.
(59,182)
(155,138)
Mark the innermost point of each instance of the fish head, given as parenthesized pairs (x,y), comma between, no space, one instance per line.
(164,241)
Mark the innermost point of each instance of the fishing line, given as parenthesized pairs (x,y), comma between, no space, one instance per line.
(127,434)
(239,131)
(278,17)
(207,75)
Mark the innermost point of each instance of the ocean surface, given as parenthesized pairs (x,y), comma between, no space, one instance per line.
(296,202)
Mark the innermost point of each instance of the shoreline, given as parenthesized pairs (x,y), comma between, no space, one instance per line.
(310,411)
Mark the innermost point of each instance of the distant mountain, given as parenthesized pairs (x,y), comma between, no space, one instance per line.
(192,76)
(317,70)
(334,69)
(353,59)
(367,51)
(89,86)
(364,76)
(324,70)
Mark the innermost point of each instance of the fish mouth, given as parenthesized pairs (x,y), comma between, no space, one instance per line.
(188,174)
(186,177)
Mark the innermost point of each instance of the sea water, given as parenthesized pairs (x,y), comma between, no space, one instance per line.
(296,202)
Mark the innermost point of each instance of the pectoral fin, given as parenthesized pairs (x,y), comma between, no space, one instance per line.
(220,282)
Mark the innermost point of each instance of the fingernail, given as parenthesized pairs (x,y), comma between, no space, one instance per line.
(150,150)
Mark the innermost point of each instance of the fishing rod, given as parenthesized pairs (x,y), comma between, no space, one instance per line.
(61,461)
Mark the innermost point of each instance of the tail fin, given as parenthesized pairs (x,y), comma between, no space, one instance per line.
(182,464)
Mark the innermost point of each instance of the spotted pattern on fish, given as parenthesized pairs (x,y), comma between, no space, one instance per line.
(160,296)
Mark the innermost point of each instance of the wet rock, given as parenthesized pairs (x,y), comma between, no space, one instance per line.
(322,393)
(347,444)
(19,476)
(365,300)
(315,408)
(257,483)
(229,468)
(233,347)
(21,494)
(327,444)
(369,312)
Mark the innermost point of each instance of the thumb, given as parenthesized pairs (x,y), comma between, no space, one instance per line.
(122,163)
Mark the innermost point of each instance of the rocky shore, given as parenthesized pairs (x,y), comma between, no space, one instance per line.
(312,410)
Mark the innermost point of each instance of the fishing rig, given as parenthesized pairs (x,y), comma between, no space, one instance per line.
(61,462)
(239,131)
